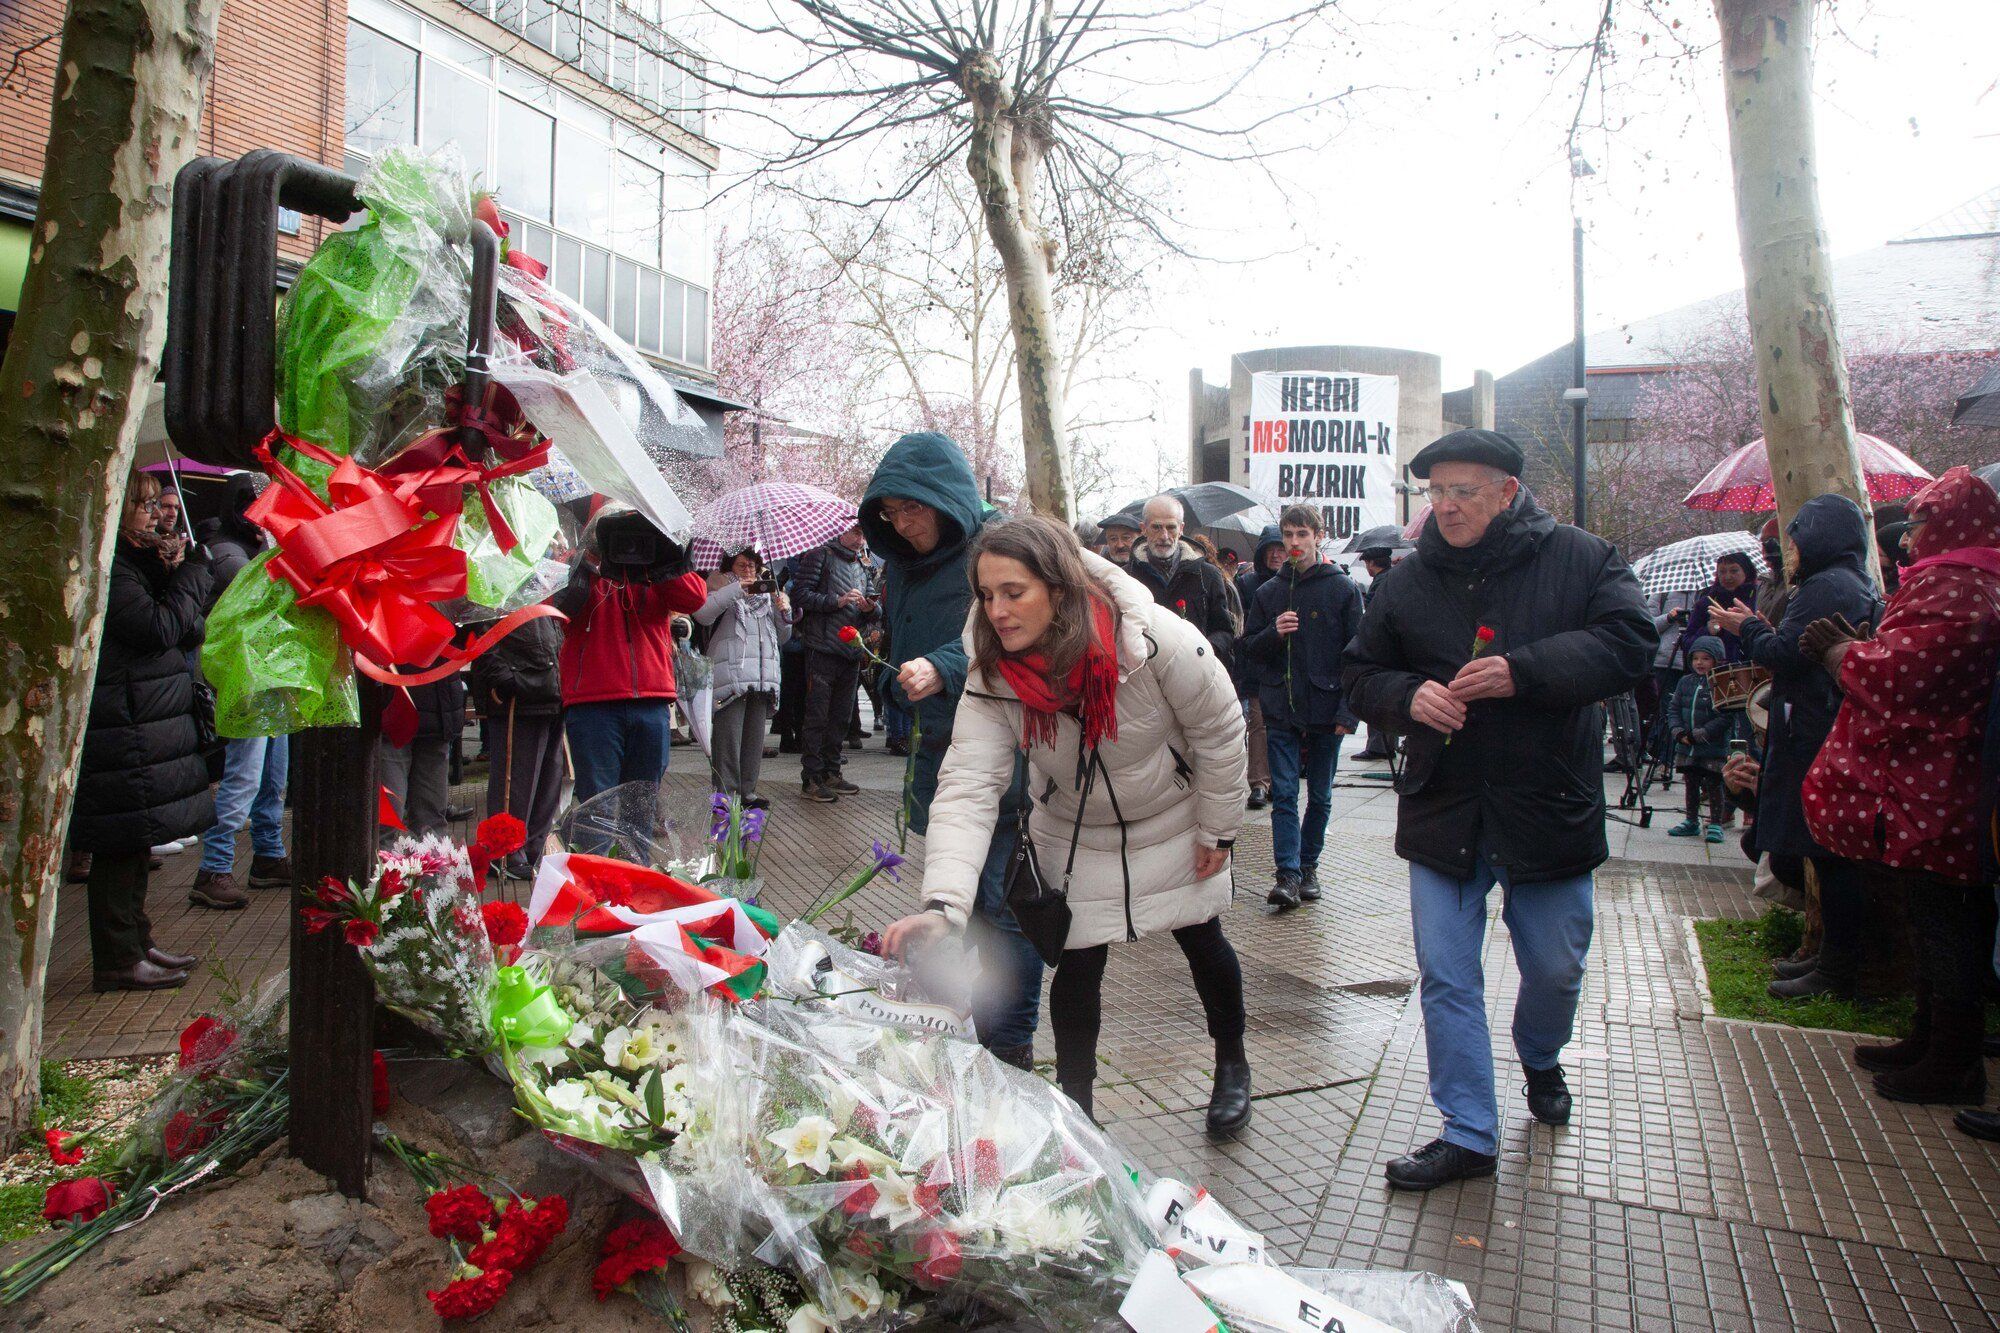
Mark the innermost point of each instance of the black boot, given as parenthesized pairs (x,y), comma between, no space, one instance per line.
(1284,895)
(1911,1049)
(1812,983)
(1021,1057)
(1548,1094)
(1079,1091)
(1952,1070)
(1438,1163)
(1229,1102)
(1309,882)
(1790,969)
(1979,1124)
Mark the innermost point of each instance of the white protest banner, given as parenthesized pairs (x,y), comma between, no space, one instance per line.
(1326,439)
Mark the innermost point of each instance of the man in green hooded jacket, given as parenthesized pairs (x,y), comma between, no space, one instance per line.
(920,514)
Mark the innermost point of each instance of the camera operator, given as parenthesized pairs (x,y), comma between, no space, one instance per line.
(618,650)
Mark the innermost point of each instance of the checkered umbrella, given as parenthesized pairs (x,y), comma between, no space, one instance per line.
(1742,481)
(777,519)
(1689,566)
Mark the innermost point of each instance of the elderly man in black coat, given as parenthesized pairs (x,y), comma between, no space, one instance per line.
(1491,647)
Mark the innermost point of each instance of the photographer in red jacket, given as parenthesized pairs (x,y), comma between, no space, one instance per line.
(618,650)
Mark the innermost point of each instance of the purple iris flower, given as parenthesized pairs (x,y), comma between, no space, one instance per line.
(753,825)
(886,861)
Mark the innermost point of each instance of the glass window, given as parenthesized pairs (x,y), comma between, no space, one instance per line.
(438,42)
(697,327)
(526,170)
(533,241)
(530,88)
(625,301)
(540,27)
(381,91)
(638,205)
(649,311)
(583,184)
(686,250)
(458,110)
(578,112)
(673,341)
(597,282)
(386,18)
(568,270)
(597,30)
(511,14)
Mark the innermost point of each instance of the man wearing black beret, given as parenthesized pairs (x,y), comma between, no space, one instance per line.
(1491,647)
(1120,533)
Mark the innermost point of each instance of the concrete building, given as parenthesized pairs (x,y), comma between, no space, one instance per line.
(587,120)
(1219,415)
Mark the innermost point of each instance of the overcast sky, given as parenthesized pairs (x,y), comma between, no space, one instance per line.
(1438,216)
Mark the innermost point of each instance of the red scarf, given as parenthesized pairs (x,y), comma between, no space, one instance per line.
(1091,687)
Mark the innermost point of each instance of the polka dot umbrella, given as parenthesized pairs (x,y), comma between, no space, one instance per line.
(1741,483)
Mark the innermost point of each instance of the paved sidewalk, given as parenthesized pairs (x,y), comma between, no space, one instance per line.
(1716,1175)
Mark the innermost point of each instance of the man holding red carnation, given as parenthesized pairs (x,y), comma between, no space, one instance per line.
(1492,647)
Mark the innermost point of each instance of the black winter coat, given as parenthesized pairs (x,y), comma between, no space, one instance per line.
(143,779)
(522,670)
(1194,591)
(1523,782)
(1835,544)
(441,705)
(1300,673)
(1247,673)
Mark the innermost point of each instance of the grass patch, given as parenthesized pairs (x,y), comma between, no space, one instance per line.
(1738,957)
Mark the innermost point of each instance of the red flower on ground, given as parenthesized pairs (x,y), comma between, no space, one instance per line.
(506,924)
(938,1258)
(76,1200)
(379,1084)
(525,1230)
(186,1133)
(511,1248)
(642,1231)
(860,1202)
(360,933)
(58,1154)
(205,1042)
(501,834)
(470,1297)
(849,634)
(636,1247)
(460,1213)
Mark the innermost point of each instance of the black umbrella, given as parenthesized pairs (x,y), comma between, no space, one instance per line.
(1388,537)
(1980,406)
(1205,502)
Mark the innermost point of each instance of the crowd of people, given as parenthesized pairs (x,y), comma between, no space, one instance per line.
(1088,723)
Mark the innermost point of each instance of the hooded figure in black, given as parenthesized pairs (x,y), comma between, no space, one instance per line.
(231,540)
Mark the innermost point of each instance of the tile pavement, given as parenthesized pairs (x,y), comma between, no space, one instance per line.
(1717,1175)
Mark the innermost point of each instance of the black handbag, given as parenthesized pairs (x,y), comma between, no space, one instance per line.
(1041,909)
(210,745)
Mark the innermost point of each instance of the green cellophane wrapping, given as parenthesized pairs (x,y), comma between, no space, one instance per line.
(276,668)
(491,574)
(372,334)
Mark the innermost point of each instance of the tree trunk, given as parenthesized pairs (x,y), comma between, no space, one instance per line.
(128,98)
(1005,159)
(1801,376)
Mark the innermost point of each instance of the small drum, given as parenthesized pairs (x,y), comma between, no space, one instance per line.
(1758,710)
(1732,686)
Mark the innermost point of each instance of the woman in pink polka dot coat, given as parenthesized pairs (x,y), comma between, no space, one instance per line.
(1900,782)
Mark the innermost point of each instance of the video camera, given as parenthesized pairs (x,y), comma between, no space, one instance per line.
(631,550)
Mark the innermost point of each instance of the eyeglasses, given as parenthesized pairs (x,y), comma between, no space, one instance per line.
(1456,494)
(151,506)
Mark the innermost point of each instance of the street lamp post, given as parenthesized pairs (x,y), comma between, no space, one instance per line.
(1578,397)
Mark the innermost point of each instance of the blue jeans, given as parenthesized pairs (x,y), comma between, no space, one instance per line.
(252,786)
(895,715)
(625,740)
(1010,995)
(1292,843)
(1551,926)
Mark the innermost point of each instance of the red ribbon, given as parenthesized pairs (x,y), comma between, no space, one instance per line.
(377,555)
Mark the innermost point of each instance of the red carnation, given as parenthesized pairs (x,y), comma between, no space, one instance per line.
(1181,606)
(506,923)
(471,1297)
(930,1198)
(526,1229)
(512,1248)
(501,834)
(1485,634)
(185,1134)
(986,1169)
(849,634)
(360,933)
(938,1258)
(649,1232)
(379,1087)
(459,1213)
(634,1248)
(205,1042)
(76,1200)
(859,1202)
(58,1154)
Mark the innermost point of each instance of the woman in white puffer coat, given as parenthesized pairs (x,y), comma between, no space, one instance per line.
(1137,774)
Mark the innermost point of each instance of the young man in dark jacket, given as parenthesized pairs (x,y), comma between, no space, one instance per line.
(254,768)
(831,590)
(518,686)
(1491,648)
(1180,579)
(920,514)
(1296,630)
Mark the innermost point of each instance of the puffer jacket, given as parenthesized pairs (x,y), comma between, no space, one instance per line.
(1175,777)
(143,780)
(1834,545)
(823,575)
(522,674)
(1902,778)
(1694,714)
(745,634)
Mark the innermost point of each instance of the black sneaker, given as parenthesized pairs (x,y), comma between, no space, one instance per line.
(1259,798)
(1548,1095)
(1438,1163)
(818,791)
(1309,883)
(1285,893)
(841,786)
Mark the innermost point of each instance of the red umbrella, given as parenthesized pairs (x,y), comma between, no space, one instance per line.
(1741,483)
(1415,528)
